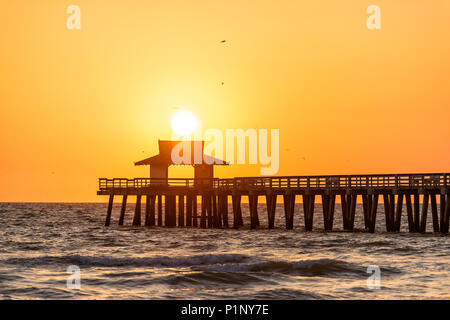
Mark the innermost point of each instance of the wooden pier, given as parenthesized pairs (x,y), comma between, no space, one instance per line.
(418,192)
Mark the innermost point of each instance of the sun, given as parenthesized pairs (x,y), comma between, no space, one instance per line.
(184,123)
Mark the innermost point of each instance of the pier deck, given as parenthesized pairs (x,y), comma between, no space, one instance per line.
(418,191)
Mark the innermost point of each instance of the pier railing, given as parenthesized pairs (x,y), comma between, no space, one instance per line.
(124,183)
(435,180)
(345,181)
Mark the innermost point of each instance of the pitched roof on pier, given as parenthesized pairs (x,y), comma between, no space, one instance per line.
(165,155)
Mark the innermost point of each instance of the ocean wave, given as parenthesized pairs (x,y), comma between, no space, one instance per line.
(160,261)
(208,278)
(313,267)
(221,263)
(285,294)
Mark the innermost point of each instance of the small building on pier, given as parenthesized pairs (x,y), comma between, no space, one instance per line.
(185,153)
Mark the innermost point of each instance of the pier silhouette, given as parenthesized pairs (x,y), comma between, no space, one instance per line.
(214,193)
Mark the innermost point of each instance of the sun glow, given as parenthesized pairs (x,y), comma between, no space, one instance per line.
(184,123)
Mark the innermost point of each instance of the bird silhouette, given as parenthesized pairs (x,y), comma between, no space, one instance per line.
(223,41)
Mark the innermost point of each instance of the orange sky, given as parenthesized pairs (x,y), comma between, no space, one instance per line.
(82,104)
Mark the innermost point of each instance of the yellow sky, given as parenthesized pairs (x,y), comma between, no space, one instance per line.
(81,104)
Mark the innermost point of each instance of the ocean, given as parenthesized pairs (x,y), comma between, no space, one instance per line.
(40,242)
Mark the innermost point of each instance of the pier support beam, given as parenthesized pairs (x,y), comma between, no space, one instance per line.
(271,202)
(160,222)
(344,209)
(237,214)
(240,219)
(194,211)
(423,220)
(387,211)
(123,209)
(328,204)
(189,201)
(434,212)
(217,222)
(209,211)
(398,213)
(416,212)
(203,214)
(366,209)
(137,211)
(373,211)
(166,211)
(409,212)
(308,210)
(417,222)
(181,210)
(289,206)
(150,211)
(393,211)
(223,209)
(348,202)
(445,214)
(170,213)
(109,211)
(253,205)
(173,211)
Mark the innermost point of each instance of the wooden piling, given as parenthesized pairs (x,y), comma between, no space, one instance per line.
(423,220)
(387,211)
(225,210)
(239,215)
(354,198)
(308,210)
(331,212)
(137,211)
(253,206)
(271,203)
(366,210)
(344,209)
(189,201)
(348,203)
(416,212)
(160,222)
(392,212)
(209,211)
(150,211)
(181,210)
(215,212)
(203,213)
(123,209)
(109,211)
(409,212)
(173,210)
(328,205)
(166,211)
(373,212)
(445,220)
(434,213)
(236,210)
(398,213)
(194,211)
(289,207)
